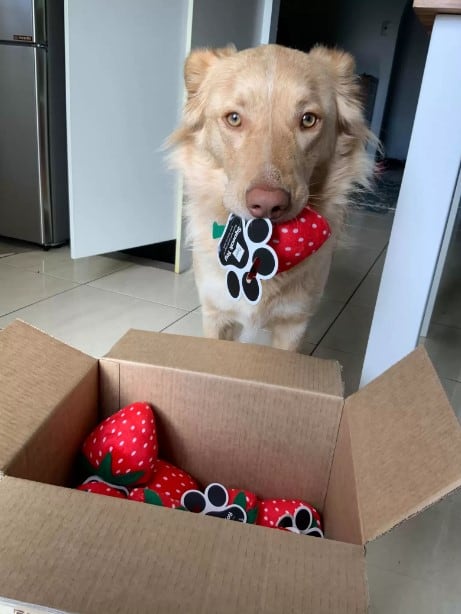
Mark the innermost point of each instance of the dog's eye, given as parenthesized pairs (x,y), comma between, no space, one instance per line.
(309,120)
(234,119)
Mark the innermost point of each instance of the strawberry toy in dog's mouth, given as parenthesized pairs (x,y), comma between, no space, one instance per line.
(295,240)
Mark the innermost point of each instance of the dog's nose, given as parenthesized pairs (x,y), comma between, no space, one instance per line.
(267,202)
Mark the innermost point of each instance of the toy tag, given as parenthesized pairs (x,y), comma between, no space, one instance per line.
(244,253)
(213,502)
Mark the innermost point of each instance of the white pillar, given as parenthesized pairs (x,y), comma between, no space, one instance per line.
(425,200)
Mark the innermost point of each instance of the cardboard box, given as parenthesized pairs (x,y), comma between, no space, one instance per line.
(271,421)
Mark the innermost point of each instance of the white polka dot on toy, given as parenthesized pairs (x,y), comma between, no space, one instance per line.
(288,249)
(133,453)
(120,461)
(298,254)
(303,219)
(141,463)
(314,225)
(295,231)
(301,239)
(122,443)
(311,243)
(284,230)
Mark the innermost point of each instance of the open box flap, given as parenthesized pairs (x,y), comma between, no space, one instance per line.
(80,552)
(406,444)
(36,373)
(222,358)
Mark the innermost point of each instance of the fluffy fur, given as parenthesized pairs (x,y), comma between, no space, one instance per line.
(271,87)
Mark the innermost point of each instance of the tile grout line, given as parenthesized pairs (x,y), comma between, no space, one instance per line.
(316,345)
(39,301)
(178,320)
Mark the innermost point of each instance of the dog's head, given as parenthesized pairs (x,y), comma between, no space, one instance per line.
(268,129)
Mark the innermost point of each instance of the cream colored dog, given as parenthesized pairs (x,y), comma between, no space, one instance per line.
(265,132)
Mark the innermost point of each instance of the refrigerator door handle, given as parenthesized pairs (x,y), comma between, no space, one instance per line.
(42,144)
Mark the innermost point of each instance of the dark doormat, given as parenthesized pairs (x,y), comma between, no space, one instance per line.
(164,252)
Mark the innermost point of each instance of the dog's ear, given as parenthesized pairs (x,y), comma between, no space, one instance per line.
(341,66)
(199,62)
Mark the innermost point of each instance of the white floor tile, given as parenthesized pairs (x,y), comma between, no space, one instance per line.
(393,593)
(21,288)
(453,390)
(444,347)
(92,320)
(155,285)
(11,246)
(447,309)
(348,269)
(368,219)
(190,324)
(363,236)
(349,333)
(326,313)
(426,547)
(58,263)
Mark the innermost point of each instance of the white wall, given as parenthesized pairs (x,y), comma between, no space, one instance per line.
(359,32)
(218,22)
(405,86)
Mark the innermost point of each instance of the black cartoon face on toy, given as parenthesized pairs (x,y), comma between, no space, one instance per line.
(301,522)
(244,252)
(213,502)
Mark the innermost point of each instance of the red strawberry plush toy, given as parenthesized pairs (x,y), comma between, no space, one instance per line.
(291,515)
(295,240)
(165,487)
(102,488)
(122,450)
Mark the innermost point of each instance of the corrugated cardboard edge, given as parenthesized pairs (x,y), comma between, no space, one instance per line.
(409,394)
(226,359)
(342,494)
(20,322)
(170,557)
(37,374)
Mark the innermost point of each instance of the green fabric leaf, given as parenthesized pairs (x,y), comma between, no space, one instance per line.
(218,230)
(252,515)
(104,471)
(241,500)
(151,497)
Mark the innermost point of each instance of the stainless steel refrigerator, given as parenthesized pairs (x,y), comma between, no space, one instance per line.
(33,164)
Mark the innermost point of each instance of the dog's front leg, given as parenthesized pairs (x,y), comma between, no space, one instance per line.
(216,326)
(287,334)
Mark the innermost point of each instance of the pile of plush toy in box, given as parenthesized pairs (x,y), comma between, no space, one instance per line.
(120,458)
